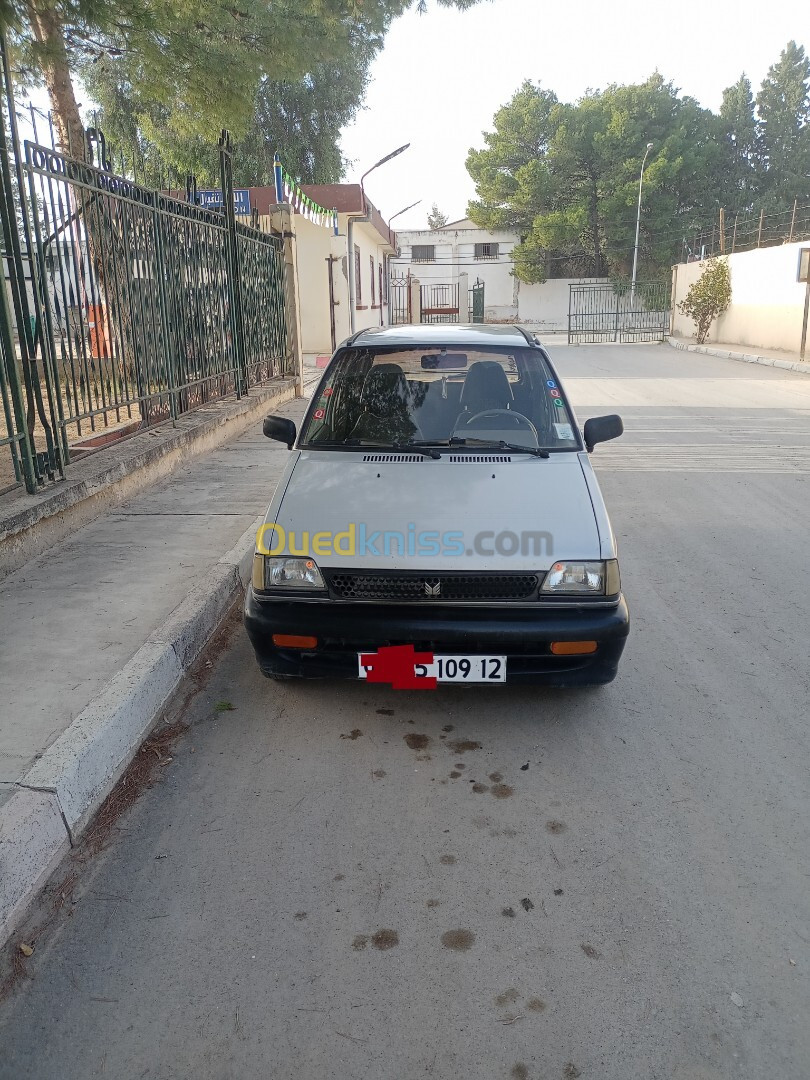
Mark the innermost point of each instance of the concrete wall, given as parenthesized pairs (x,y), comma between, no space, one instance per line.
(767,304)
(545,307)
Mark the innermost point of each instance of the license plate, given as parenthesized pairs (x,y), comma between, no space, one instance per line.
(455,669)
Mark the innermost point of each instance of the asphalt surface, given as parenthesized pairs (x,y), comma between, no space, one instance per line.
(328,881)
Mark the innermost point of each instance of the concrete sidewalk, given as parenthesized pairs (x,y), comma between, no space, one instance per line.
(96,634)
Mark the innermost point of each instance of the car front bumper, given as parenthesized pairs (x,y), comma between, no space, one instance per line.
(523,635)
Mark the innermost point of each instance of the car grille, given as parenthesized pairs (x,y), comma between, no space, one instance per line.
(430,588)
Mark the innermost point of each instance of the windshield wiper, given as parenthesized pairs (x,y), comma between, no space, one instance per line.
(399,448)
(536,451)
(357,444)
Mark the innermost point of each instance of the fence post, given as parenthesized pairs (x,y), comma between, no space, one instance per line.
(464,297)
(722,231)
(734,234)
(792,221)
(759,234)
(414,300)
(234,279)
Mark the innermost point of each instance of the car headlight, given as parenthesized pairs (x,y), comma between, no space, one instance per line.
(279,572)
(583,578)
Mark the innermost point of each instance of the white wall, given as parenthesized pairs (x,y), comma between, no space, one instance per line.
(767,304)
(545,307)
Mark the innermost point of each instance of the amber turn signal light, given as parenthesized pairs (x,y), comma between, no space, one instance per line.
(573,648)
(295,641)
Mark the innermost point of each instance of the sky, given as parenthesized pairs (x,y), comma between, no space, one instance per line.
(442,76)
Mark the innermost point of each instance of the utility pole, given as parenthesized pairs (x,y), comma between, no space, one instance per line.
(638,225)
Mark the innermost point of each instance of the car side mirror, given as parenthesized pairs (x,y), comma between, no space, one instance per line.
(281,429)
(601,429)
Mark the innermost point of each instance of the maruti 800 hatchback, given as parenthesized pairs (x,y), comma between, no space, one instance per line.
(439,495)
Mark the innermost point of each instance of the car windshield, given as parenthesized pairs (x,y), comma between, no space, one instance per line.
(441,397)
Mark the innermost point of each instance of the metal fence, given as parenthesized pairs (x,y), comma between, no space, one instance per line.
(127,306)
(617,313)
(749,230)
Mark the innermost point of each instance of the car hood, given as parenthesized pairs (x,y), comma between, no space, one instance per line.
(461,512)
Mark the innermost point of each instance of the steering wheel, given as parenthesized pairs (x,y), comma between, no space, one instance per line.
(522,421)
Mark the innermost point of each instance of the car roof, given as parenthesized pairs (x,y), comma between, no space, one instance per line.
(427,334)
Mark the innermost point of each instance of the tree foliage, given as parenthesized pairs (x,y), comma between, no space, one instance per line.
(783,105)
(300,119)
(739,128)
(436,219)
(193,68)
(708,297)
(566,176)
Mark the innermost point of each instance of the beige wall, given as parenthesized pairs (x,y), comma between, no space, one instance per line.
(314,245)
(767,303)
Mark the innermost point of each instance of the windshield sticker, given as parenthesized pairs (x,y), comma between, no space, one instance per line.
(559,402)
(564,431)
(554,393)
(551,384)
(328,392)
(319,414)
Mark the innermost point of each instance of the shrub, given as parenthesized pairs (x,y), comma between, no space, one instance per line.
(708,297)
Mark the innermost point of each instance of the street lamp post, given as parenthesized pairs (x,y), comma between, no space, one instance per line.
(638,224)
(399,213)
(363,216)
(377,164)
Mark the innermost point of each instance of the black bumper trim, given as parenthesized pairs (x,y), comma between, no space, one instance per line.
(522,634)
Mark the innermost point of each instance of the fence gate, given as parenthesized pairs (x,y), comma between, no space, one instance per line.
(440,303)
(618,313)
(477,302)
(399,301)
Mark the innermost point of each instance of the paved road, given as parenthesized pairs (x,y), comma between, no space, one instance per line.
(305,895)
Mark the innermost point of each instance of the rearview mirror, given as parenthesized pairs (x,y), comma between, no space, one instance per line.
(445,361)
(601,429)
(281,429)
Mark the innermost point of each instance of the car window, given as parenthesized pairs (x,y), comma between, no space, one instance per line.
(381,397)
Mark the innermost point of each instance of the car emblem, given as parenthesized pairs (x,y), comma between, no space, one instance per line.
(433,590)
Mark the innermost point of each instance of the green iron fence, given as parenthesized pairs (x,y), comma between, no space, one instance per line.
(128,306)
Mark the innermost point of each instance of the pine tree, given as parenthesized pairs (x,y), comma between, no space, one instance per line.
(740,130)
(783,105)
(436,219)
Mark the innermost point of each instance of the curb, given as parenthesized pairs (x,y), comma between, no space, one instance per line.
(54,802)
(799,366)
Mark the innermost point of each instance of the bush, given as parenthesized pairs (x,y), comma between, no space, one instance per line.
(708,297)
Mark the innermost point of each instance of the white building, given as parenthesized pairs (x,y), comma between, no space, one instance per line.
(449,261)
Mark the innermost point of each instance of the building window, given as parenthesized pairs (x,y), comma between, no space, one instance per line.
(486,251)
(423,253)
(373,297)
(358,278)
